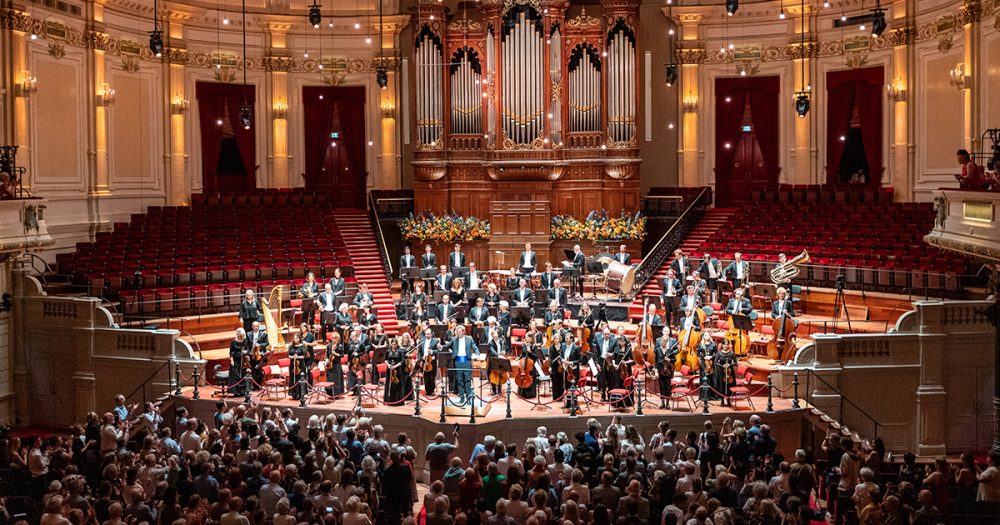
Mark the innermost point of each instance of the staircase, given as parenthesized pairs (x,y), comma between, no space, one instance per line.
(362,247)
(707,227)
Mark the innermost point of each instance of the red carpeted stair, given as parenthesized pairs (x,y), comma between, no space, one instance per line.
(705,229)
(362,248)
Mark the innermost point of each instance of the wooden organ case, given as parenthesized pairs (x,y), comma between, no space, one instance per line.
(514,102)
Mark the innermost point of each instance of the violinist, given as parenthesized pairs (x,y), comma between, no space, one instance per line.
(308,339)
(622,363)
(342,321)
(586,317)
(409,349)
(367,318)
(357,352)
(670,289)
(724,370)
(606,346)
(554,313)
(477,318)
(492,297)
(666,350)
(494,349)
(395,360)
(297,353)
(379,342)
(571,357)
(238,350)
(739,304)
(556,368)
(257,344)
(706,359)
(446,310)
(427,350)
(309,292)
(334,367)
(505,321)
(418,315)
(418,294)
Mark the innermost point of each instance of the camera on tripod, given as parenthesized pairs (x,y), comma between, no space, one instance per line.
(841,282)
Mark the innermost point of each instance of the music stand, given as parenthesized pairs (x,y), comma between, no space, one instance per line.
(570,272)
(439,331)
(725,288)
(500,364)
(472,295)
(526,271)
(458,271)
(409,272)
(438,295)
(742,322)
(520,315)
(542,296)
(428,273)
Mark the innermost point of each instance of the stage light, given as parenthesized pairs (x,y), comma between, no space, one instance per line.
(225,21)
(156,42)
(671,74)
(357,25)
(802,104)
(246,115)
(879,25)
(305,55)
(381,76)
(368,40)
(732,6)
(34,36)
(826,5)
(781,15)
(315,15)
(843,18)
(861,27)
(732,46)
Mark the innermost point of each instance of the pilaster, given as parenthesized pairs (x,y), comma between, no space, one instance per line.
(691,56)
(279,157)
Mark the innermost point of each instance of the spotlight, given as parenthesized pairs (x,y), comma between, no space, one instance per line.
(156,42)
(246,115)
(34,36)
(732,6)
(225,21)
(781,15)
(357,25)
(381,76)
(826,5)
(802,104)
(879,25)
(315,15)
(671,74)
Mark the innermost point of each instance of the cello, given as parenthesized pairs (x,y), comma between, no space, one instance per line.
(782,344)
(523,378)
(687,343)
(643,353)
(739,339)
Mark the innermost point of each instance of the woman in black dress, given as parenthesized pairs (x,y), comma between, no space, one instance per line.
(556,367)
(418,295)
(492,297)
(530,351)
(408,347)
(457,292)
(342,321)
(418,315)
(395,360)
(334,364)
(367,318)
(298,368)
(706,359)
(724,370)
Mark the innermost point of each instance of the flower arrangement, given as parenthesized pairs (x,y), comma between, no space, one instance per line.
(599,226)
(451,227)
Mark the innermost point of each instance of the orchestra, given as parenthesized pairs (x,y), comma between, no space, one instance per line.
(472,321)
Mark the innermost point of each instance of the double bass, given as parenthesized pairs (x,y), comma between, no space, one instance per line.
(522,377)
(687,348)
(643,353)
(782,345)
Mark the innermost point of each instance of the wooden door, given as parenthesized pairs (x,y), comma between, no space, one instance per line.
(961,408)
(338,178)
(52,395)
(747,169)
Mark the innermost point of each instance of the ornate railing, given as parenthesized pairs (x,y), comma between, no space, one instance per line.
(377,222)
(669,241)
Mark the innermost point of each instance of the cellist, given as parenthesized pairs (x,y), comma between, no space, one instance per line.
(427,349)
(666,350)
(495,349)
(688,339)
(530,355)
(782,305)
(739,304)
(606,346)
(782,314)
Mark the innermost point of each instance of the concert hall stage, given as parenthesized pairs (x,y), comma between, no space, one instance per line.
(524,417)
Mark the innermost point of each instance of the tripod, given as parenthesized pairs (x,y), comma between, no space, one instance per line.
(840,304)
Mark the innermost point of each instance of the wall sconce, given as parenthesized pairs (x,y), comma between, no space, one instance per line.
(179,105)
(895,90)
(388,109)
(959,78)
(690,104)
(280,110)
(105,95)
(26,86)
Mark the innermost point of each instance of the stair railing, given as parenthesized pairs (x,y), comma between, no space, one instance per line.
(868,418)
(373,217)
(669,242)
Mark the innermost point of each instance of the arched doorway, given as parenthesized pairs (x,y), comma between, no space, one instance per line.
(746,137)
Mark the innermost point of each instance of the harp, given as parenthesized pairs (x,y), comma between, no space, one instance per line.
(272,308)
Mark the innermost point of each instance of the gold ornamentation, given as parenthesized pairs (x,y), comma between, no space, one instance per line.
(856,60)
(692,56)
(583,20)
(464,25)
(748,69)
(332,78)
(945,42)
(130,64)
(225,75)
(57,50)
(509,4)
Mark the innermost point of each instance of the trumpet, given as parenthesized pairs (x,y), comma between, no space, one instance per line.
(788,270)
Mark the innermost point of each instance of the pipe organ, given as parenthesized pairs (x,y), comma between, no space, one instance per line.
(541,100)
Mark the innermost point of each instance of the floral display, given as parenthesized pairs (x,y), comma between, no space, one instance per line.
(599,226)
(429,227)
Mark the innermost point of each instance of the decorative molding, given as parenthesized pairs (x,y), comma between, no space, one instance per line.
(856,60)
(464,25)
(692,56)
(945,42)
(583,20)
(224,75)
(985,253)
(57,50)
(130,64)
(901,36)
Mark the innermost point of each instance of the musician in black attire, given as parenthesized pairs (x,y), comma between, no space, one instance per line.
(739,304)
(666,350)
(427,348)
(527,260)
(548,278)
(670,291)
(418,293)
(327,304)
(557,370)
(378,342)
(367,318)
(579,260)
(523,296)
(446,310)
(257,345)
(428,259)
(724,373)
(337,283)
(492,297)
(606,345)
(442,281)
(782,305)
(456,259)
(449,336)
(622,361)
(554,313)
(407,260)
(706,359)
(298,368)
(237,349)
(250,310)
(513,281)
(342,320)
(558,293)
(334,366)
(363,296)
(505,321)
(418,315)
(623,256)
(308,293)
(309,340)
(571,357)
(396,375)
(477,318)
(494,348)
(532,348)
(357,352)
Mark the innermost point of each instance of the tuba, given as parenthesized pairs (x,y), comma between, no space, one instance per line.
(787,271)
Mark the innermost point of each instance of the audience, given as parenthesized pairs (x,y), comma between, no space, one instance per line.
(258,466)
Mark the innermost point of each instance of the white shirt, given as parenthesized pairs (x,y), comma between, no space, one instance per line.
(473,280)
(328,305)
(190,440)
(567,352)
(670,287)
(739,269)
(989,485)
(461,348)
(711,270)
(680,265)
(688,322)
(526,258)
(604,346)
(38,463)
(109,438)
(689,301)
(781,307)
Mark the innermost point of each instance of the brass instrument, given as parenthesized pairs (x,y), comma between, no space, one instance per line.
(788,270)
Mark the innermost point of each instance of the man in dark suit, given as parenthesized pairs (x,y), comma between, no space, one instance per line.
(407,260)
(651,319)
(680,265)
(428,259)
(579,260)
(606,344)
(665,350)
(548,277)
(738,271)
(558,293)
(690,321)
(670,290)
(428,346)
(711,270)
(527,260)
(463,349)
(250,310)
(739,304)
(363,296)
(623,256)
(782,305)
(568,360)
(456,259)
(474,279)
(477,317)
(445,310)
(442,281)
(327,302)
(523,296)
(691,299)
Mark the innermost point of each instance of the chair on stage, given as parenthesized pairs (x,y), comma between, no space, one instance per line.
(318,387)
(685,392)
(742,390)
(276,378)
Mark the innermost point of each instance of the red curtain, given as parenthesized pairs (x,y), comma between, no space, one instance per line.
(319,104)
(845,89)
(729,116)
(213,101)
(764,109)
(318,125)
(763,96)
